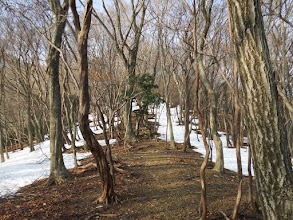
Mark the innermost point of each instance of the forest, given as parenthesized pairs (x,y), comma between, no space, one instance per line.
(146,109)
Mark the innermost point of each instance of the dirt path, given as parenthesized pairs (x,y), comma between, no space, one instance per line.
(168,189)
(167,185)
(156,184)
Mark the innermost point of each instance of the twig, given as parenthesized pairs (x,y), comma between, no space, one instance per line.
(225,216)
(101,215)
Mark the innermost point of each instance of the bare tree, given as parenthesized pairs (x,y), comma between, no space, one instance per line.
(206,10)
(108,194)
(167,65)
(57,169)
(126,37)
(271,158)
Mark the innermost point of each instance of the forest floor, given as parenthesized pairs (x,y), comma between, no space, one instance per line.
(155,183)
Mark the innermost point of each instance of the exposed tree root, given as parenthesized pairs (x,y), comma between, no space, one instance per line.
(58,178)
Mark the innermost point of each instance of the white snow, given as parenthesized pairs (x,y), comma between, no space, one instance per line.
(24,167)
(230,161)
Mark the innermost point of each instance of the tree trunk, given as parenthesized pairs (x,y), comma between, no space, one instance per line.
(270,152)
(1,144)
(57,169)
(180,111)
(219,165)
(109,154)
(2,63)
(203,198)
(29,122)
(170,125)
(250,182)
(73,101)
(186,120)
(198,57)
(73,146)
(129,132)
(108,194)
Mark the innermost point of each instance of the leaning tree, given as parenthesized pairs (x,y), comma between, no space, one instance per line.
(108,194)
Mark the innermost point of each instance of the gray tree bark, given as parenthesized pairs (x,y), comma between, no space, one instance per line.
(57,168)
(270,152)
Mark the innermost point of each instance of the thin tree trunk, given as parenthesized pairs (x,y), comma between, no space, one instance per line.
(72,119)
(108,194)
(170,125)
(250,182)
(270,152)
(203,199)
(2,63)
(29,122)
(180,112)
(187,121)
(219,165)
(1,144)
(73,146)
(19,122)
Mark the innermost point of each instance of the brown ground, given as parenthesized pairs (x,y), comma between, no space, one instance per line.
(158,184)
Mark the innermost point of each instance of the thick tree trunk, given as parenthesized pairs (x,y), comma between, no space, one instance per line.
(129,136)
(109,154)
(57,169)
(108,194)
(270,152)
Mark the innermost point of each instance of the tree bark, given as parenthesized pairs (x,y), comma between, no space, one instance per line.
(1,145)
(108,194)
(270,152)
(109,154)
(29,120)
(219,165)
(186,117)
(2,65)
(169,121)
(57,168)
(203,199)
(129,136)
(127,48)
